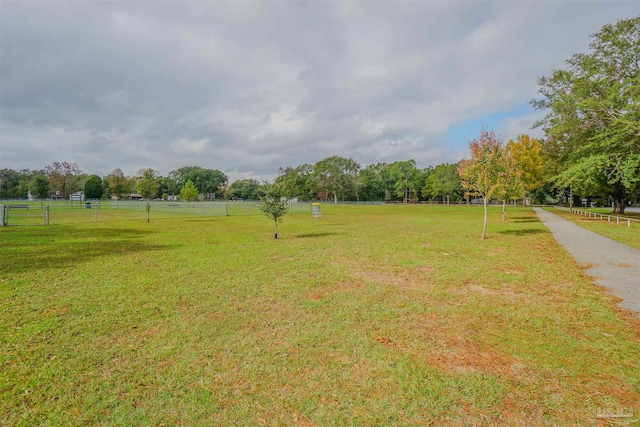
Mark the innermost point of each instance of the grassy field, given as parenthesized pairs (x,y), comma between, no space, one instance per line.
(381,315)
(629,236)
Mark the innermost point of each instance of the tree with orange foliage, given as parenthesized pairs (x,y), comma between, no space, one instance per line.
(482,172)
(510,179)
(527,154)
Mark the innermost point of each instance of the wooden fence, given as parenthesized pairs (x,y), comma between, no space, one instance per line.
(609,218)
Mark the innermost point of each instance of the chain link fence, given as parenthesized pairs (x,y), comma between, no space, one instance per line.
(21,212)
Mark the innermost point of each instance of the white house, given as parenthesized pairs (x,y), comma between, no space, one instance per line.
(78,196)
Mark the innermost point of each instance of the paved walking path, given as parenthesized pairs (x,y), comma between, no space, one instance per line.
(613,264)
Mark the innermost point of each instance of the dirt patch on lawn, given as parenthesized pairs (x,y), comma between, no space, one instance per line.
(414,278)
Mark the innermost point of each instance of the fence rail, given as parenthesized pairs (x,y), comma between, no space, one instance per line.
(601,216)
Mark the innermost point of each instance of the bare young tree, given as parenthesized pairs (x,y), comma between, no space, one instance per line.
(63,177)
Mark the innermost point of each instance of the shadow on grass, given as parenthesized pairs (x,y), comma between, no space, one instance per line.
(523,218)
(308,235)
(199,219)
(523,232)
(64,247)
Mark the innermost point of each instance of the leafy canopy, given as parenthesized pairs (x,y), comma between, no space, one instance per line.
(592,120)
(273,204)
(148,186)
(336,175)
(483,172)
(40,187)
(63,177)
(444,181)
(118,183)
(93,187)
(188,193)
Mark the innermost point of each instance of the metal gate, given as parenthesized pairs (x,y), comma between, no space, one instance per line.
(24,214)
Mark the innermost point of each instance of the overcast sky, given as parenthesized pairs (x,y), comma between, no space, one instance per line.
(247,87)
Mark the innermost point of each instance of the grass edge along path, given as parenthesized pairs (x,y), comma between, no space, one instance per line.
(629,236)
(385,315)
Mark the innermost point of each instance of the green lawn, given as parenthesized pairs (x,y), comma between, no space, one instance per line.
(607,227)
(379,315)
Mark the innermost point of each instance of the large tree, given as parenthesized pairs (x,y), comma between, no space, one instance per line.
(118,183)
(63,177)
(245,189)
(526,153)
(16,184)
(376,182)
(148,186)
(404,174)
(297,182)
(482,172)
(592,121)
(93,187)
(206,181)
(40,187)
(9,183)
(444,181)
(336,176)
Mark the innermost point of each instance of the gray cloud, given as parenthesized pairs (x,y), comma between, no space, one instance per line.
(247,87)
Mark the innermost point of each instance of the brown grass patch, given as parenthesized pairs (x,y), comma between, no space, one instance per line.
(622,264)
(389,342)
(52,312)
(456,350)
(513,270)
(416,278)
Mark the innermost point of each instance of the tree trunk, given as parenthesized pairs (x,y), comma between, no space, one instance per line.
(484,227)
(570,198)
(148,210)
(620,198)
(275,236)
(504,211)
(619,205)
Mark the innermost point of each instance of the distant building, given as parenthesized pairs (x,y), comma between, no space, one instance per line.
(78,196)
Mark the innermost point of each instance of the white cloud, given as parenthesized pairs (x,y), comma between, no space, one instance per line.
(247,87)
(513,127)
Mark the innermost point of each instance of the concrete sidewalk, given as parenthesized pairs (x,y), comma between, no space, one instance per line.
(611,264)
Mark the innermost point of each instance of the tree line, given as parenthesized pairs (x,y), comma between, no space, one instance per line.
(334,178)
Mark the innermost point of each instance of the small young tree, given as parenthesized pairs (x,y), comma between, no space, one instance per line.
(148,186)
(273,204)
(40,187)
(510,180)
(189,192)
(482,171)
